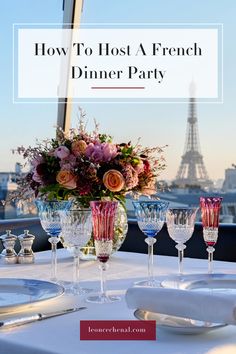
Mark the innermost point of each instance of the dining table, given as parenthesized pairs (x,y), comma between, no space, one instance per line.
(61,335)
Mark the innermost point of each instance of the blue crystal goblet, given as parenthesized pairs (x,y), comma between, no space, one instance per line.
(49,213)
(150,217)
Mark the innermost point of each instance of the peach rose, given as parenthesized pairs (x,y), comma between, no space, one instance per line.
(66,179)
(78,147)
(113,180)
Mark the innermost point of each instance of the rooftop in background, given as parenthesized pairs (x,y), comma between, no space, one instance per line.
(230,180)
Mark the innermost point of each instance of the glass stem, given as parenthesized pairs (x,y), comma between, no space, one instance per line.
(150,263)
(54,241)
(181,257)
(210,251)
(76,270)
(150,241)
(103,268)
(180,247)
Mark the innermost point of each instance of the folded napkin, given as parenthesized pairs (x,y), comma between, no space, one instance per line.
(216,308)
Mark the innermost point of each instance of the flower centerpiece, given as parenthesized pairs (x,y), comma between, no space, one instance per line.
(89,166)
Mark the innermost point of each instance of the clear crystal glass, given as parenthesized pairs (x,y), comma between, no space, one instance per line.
(103,219)
(49,213)
(76,231)
(180,226)
(210,208)
(150,217)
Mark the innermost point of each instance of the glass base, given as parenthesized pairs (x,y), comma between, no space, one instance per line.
(54,280)
(103,299)
(72,289)
(151,283)
(78,291)
(88,257)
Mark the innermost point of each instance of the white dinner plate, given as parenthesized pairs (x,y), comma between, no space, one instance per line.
(225,283)
(177,325)
(17,293)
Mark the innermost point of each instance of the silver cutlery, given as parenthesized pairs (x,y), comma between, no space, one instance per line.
(18,321)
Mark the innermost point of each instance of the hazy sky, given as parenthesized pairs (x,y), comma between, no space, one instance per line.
(158,124)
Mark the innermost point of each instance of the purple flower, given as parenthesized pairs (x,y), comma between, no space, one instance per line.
(101,152)
(68,163)
(94,152)
(65,167)
(62,152)
(109,152)
(89,149)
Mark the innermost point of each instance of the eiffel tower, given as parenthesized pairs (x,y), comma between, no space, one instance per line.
(192,171)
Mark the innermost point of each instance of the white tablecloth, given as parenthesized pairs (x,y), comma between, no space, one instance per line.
(61,335)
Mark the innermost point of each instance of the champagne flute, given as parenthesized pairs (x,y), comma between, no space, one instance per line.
(150,217)
(210,208)
(103,218)
(180,226)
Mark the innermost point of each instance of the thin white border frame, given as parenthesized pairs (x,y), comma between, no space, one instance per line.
(76,100)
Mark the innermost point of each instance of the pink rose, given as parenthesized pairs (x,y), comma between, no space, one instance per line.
(62,152)
(109,151)
(66,179)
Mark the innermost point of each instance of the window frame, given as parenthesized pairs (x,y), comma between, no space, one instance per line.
(71,19)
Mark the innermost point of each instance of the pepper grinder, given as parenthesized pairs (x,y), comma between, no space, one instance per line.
(26,254)
(8,240)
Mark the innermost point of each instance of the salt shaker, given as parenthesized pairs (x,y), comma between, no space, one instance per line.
(8,254)
(26,254)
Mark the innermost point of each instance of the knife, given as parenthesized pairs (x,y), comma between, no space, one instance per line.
(18,321)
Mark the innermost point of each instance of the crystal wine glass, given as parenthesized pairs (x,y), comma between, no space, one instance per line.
(180,226)
(210,208)
(103,219)
(76,231)
(49,214)
(151,217)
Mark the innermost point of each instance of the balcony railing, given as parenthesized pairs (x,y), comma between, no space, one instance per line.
(225,248)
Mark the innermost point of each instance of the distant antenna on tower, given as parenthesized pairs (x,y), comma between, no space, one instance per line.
(192,171)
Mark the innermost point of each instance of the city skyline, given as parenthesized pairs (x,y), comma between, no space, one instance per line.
(165,124)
